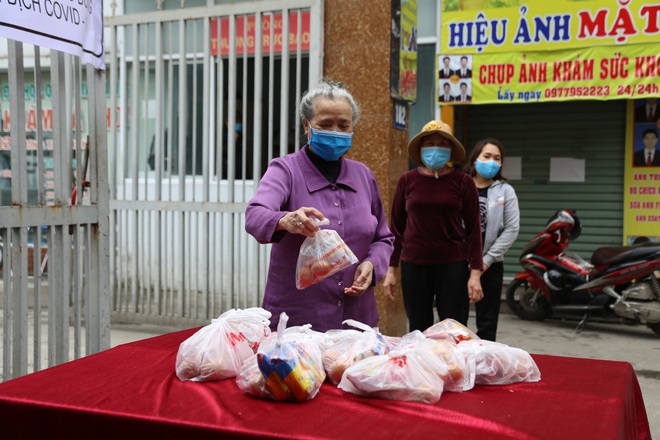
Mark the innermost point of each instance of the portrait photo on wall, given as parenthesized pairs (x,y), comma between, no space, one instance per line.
(647,111)
(464,91)
(646,149)
(465,69)
(454,78)
(448,91)
(445,67)
(461,92)
(454,67)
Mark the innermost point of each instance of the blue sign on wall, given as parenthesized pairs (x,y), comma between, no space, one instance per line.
(400,108)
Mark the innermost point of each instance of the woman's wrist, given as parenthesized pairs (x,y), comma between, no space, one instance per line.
(280,224)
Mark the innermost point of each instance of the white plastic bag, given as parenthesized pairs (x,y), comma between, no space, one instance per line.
(217,350)
(250,378)
(346,347)
(408,374)
(450,330)
(458,373)
(292,370)
(500,364)
(321,256)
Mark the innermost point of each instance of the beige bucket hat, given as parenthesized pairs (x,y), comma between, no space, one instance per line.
(437,126)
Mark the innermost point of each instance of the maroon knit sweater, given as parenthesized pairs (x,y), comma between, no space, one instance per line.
(427,220)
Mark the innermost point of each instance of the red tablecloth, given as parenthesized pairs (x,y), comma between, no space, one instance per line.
(131,391)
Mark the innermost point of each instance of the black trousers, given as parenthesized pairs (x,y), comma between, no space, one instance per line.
(488,309)
(446,284)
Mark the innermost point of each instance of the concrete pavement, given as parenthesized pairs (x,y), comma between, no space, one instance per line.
(635,344)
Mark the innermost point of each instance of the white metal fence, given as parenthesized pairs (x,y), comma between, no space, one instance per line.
(201,100)
(53,209)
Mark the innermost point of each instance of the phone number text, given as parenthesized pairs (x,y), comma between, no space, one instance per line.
(562,92)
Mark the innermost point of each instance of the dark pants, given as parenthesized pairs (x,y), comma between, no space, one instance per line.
(488,309)
(444,283)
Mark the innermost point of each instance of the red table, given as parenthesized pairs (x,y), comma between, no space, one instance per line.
(131,391)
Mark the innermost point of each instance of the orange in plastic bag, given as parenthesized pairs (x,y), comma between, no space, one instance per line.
(321,256)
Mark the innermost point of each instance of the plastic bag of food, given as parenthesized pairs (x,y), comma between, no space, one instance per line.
(407,374)
(321,256)
(250,379)
(303,334)
(500,364)
(451,330)
(292,370)
(346,347)
(217,350)
(459,372)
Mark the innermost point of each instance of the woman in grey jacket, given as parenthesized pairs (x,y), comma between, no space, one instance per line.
(500,222)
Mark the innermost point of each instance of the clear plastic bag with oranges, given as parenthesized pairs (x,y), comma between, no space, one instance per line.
(321,256)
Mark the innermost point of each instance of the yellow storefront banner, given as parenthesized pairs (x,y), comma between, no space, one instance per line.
(601,72)
(641,213)
(499,26)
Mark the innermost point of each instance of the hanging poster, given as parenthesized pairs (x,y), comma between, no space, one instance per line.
(403,65)
(642,173)
(74,27)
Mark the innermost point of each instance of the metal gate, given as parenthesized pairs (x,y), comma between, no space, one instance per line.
(53,209)
(202,99)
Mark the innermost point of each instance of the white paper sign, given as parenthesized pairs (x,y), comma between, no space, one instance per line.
(71,26)
(565,169)
(512,168)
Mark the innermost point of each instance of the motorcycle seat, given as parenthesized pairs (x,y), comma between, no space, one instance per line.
(616,254)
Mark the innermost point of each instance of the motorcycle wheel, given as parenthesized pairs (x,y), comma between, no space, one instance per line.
(655,327)
(525,303)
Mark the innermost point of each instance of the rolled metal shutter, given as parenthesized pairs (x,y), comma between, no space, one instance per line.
(591,130)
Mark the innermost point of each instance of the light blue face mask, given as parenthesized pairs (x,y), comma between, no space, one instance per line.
(435,157)
(487,169)
(238,127)
(330,145)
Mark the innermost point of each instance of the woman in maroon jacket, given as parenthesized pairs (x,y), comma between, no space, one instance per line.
(436,224)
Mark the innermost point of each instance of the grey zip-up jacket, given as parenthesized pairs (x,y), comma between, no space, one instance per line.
(503,221)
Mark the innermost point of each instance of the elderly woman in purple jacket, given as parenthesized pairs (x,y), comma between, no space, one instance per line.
(318,182)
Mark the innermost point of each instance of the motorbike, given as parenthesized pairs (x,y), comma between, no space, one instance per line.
(619,283)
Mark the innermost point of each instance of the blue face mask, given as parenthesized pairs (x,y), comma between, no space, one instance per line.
(487,169)
(330,145)
(435,157)
(239,127)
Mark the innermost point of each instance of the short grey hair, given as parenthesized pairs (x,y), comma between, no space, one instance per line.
(330,90)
